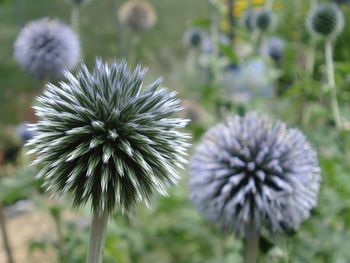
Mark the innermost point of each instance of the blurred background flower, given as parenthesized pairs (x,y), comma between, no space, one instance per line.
(46,47)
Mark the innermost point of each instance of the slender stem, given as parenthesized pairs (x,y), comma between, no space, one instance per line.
(251,249)
(331,83)
(313,3)
(5,237)
(60,239)
(19,12)
(231,18)
(269,4)
(310,62)
(75,16)
(135,56)
(97,237)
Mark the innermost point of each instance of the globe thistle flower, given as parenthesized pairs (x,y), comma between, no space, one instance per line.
(247,19)
(265,20)
(45,48)
(249,173)
(137,15)
(105,139)
(195,38)
(326,20)
(274,48)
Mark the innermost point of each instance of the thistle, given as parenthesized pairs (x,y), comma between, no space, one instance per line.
(137,15)
(104,138)
(327,21)
(265,20)
(45,48)
(274,48)
(194,38)
(249,174)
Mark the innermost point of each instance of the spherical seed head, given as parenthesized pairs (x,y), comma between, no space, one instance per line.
(137,15)
(248,174)
(326,20)
(194,37)
(105,139)
(45,48)
(274,48)
(265,20)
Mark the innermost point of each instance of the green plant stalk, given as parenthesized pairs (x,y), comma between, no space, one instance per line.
(251,248)
(97,237)
(60,240)
(331,83)
(75,17)
(5,237)
(269,4)
(310,62)
(135,56)
(231,18)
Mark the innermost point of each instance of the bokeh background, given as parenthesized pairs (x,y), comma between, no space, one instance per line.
(214,79)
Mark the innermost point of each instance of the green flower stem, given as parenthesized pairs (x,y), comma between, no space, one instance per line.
(75,17)
(331,83)
(269,4)
(310,62)
(97,237)
(5,237)
(251,249)
(231,18)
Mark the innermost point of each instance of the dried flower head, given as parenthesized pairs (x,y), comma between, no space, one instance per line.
(265,20)
(195,37)
(273,47)
(45,48)
(137,15)
(248,174)
(104,138)
(326,20)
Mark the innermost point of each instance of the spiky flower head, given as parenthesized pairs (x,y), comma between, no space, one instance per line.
(137,15)
(274,48)
(248,18)
(249,173)
(194,37)
(265,20)
(45,48)
(104,138)
(78,2)
(326,20)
